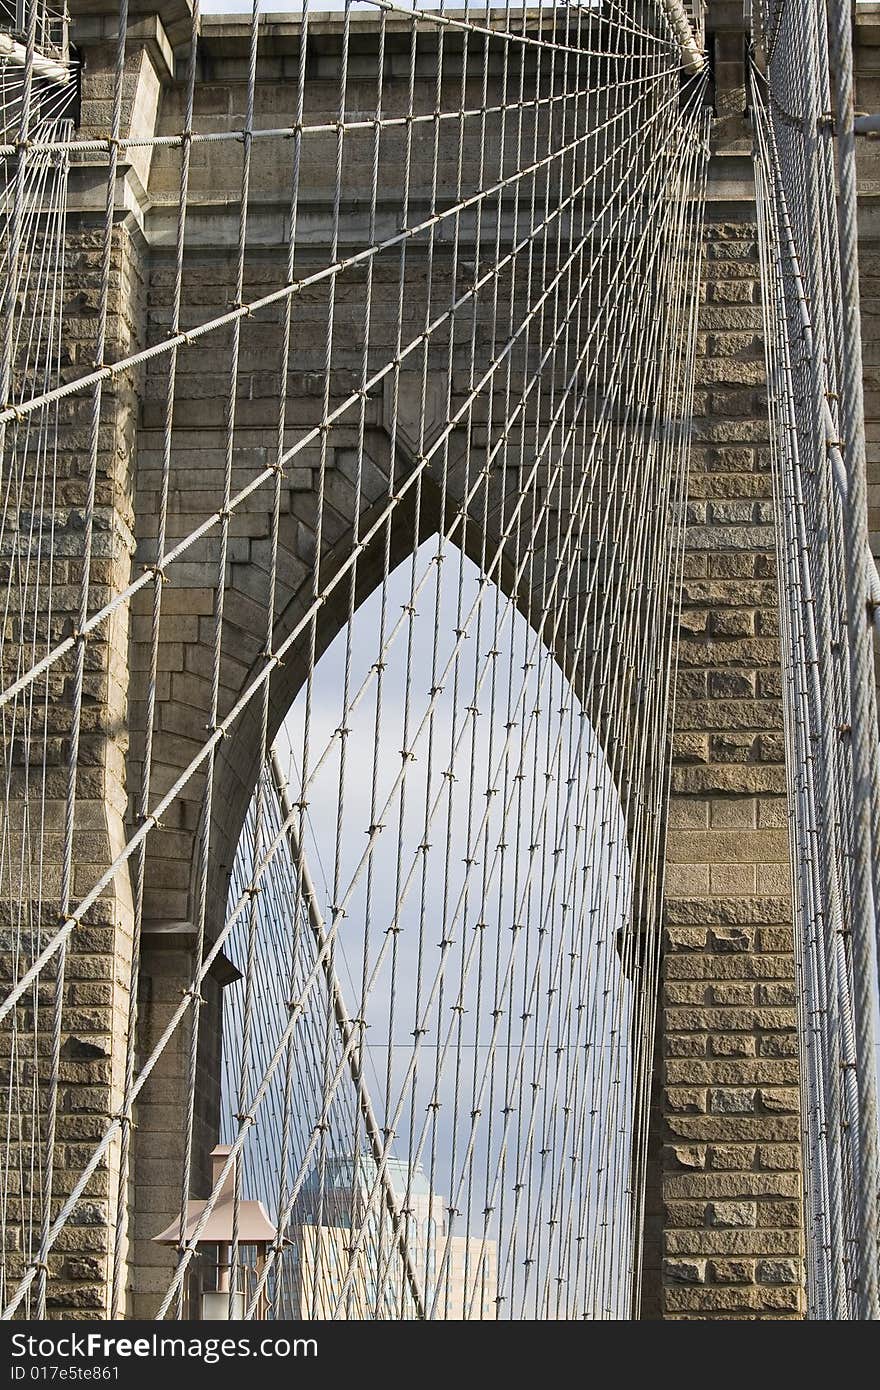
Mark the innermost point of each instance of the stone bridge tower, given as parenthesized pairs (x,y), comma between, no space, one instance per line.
(724,1224)
(726,1237)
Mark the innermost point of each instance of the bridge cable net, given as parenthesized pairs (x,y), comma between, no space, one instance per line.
(479,321)
(829,593)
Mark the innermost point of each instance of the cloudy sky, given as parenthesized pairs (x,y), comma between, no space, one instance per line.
(423,894)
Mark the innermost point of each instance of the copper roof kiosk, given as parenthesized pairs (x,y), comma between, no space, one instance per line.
(254,1229)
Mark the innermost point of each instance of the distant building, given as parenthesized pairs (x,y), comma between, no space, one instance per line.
(332,1205)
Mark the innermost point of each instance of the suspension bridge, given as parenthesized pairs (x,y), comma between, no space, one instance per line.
(441,797)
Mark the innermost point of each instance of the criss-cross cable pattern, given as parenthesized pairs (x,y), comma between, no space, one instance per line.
(805,169)
(437,374)
(36,93)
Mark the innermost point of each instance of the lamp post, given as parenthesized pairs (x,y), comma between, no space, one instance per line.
(254,1229)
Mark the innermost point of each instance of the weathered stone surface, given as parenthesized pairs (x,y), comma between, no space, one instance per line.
(777,1271)
(689,1155)
(732,1157)
(685,1271)
(728,1020)
(728,1044)
(732,1213)
(723,1301)
(733,1242)
(708,1128)
(728,1102)
(732,1271)
(686,1100)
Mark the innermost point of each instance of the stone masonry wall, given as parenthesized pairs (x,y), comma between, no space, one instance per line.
(730,1182)
(97,968)
(97,964)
